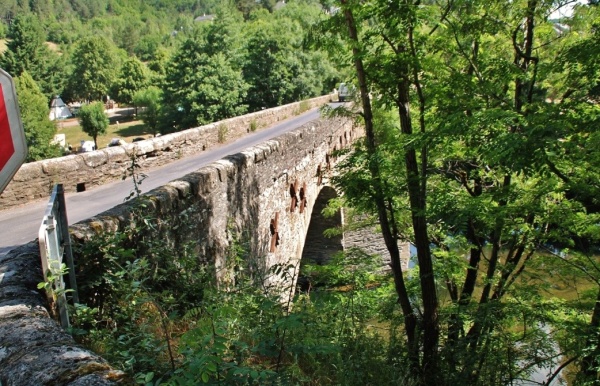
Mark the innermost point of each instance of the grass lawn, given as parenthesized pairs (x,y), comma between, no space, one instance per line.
(126,131)
(2,45)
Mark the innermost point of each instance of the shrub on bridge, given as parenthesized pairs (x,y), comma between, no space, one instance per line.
(134,288)
(223,130)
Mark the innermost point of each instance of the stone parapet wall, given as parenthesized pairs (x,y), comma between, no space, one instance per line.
(82,171)
(34,350)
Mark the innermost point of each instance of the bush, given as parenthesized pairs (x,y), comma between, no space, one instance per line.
(222,133)
(253,125)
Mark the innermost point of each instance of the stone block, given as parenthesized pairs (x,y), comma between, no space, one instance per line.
(94,159)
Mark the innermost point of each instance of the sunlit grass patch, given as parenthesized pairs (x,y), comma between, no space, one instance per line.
(126,131)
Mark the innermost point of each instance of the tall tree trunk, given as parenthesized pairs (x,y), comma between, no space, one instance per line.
(391,241)
(426,275)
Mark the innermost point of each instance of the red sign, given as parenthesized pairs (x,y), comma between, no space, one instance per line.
(7,149)
(13,148)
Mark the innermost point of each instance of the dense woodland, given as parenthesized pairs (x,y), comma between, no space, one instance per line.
(482,149)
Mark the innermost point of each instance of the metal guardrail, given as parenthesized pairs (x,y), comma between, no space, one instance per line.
(55,244)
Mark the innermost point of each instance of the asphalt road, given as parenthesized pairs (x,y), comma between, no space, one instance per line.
(20,225)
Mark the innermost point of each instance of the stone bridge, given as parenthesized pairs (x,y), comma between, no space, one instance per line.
(268,192)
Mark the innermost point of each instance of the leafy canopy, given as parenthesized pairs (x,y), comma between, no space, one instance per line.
(39,130)
(93,120)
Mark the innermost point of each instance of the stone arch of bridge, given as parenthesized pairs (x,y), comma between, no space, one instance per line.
(318,249)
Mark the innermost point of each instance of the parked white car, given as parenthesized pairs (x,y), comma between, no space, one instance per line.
(87,146)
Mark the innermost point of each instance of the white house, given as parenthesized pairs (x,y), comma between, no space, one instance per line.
(58,109)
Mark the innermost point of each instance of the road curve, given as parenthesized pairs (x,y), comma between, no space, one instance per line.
(20,225)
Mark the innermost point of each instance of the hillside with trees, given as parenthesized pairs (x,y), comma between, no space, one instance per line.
(207,58)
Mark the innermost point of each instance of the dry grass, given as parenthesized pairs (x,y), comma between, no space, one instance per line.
(53,46)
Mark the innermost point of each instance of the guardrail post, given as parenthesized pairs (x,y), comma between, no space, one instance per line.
(55,242)
(66,240)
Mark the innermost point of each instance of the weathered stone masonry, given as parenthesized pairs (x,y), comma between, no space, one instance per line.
(268,192)
(35,180)
(34,350)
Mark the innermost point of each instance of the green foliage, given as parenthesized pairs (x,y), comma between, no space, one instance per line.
(135,289)
(53,275)
(201,89)
(224,35)
(204,69)
(149,100)
(472,124)
(158,66)
(137,178)
(26,51)
(253,126)
(303,107)
(351,268)
(94,69)
(93,120)
(133,77)
(278,68)
(143,298)
(246,7)
(222,133)
(242,337)
(39,130)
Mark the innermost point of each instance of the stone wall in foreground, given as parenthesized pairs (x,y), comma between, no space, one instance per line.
(34,349)
(35,180)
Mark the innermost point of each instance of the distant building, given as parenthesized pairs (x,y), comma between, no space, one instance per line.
(59,110)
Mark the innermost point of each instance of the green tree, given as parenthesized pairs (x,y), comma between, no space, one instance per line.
(158,66)
(577,93)
(247,6)
(148,46)
(9,9)
(150,101)
(39,130)
(90,8)
(41,8)
(133,77)
(278,68)
(201,89)
(93,120)
(464,137)
(128,35)
(224,35)
(2,31)
(27,51)
(94,69)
